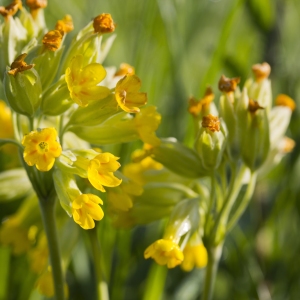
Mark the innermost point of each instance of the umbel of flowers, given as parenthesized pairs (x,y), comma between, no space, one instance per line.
(65,105)
(204,191)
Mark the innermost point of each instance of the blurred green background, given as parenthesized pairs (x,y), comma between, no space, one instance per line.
(178,47)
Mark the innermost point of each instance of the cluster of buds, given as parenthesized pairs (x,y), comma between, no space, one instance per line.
(203,191)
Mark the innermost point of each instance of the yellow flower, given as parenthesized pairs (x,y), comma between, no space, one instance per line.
(165,252)
(127,94)
(41,148)
(86,210)
(284,100)
(100,171)
(194,256)
(197,107)
(6,128)
(13,234)
(83,81)
(35,5)
(135,171)
(38,256)
(45,284)
(125,69)
(121,197)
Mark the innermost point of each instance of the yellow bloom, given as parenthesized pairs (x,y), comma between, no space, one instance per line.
(12,234)
(104,24)
(146,122)
(38,256)
(127,94)
(165,252)
(125,69)
(135,171)
(45,284)
(284,100)
(86,210)
(6,125)
(83,81)
(100,171)
(41,148)
(194,256)
(121,197)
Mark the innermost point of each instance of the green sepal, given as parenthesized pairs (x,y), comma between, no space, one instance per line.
(47,64)
(56,99)
(66,189)
(119,128)
(95,113)
(23,91)
(11,179)
(179,159)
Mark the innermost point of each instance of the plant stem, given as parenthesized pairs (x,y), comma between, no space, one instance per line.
(47,206)
(214,254)
(102,289)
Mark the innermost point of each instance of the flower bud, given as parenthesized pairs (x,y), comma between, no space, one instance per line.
(23,87)
(254,131)
(210,143)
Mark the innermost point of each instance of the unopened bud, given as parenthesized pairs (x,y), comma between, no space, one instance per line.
(11,9)
(104,24)
(65,25)
(261,71)
(52,40)
(284,100)
(228,85)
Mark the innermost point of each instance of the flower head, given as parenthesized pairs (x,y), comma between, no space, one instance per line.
(228,85)
(104,24)
(165,252)
(83,81)
(41,148)
(86,209)
(146,122)
(125,69)
(127,94)
(100,171)
(194,256)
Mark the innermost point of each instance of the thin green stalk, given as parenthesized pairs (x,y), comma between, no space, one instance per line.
(155,282)
(214,255)
(211,203)
(235,186)
(243,204)
(47,207)
(102,289)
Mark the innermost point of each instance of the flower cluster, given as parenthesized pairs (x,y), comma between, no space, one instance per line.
(203,191)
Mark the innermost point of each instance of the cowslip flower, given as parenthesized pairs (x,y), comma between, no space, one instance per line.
(65,25)
(165,252)
(127,94)
(41,148)
(52,40)
(104,24)
(100,171)
(146,122)
(83,81)
(194,256)
(85,210)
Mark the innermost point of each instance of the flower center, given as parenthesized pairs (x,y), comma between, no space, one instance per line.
(44,146)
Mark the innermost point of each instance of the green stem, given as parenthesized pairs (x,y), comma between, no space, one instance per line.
(214,255)
(155,282)
(102,289)
(47,207)
(210,205)
(243,204)
(235,186)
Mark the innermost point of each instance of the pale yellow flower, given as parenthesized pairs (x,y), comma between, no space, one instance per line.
(100,171)
(194,256)
(127,94)
(83,81)
(86,209)
(165,252)
(41,148)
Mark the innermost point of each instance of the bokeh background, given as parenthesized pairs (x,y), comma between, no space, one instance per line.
(178,47)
